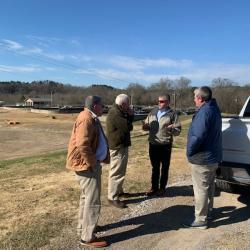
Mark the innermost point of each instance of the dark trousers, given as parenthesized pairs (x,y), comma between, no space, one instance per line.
(159,156)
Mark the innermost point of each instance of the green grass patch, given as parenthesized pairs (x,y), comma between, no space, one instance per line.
(31,160)
(35,165)
(185,117)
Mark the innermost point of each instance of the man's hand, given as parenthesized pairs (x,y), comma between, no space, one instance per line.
(130,111)
(145,126)
(170,127)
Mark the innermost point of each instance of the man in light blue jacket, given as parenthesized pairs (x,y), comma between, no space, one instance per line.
(204,152)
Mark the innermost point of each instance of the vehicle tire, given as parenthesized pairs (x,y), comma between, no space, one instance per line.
(224,186)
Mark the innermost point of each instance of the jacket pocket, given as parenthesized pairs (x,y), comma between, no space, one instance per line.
(75,156)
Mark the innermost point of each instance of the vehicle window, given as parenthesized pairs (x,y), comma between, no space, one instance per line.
(247,110)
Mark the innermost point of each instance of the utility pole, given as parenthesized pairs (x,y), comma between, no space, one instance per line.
(51,98)
(174,94)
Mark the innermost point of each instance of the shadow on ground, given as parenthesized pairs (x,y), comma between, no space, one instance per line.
(172,191)
(168,219)
(173,217)
(231,214)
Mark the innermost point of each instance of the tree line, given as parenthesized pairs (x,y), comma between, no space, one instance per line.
(230,95)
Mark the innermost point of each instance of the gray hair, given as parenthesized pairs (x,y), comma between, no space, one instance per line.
(122,98)
(167,96)
(91,100)
(204,92)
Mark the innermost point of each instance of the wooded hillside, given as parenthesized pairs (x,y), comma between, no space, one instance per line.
(229,95)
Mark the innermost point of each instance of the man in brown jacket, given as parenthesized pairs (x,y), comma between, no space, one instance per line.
(87,148)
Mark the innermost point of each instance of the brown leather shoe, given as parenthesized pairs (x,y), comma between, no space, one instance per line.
(117,203)
(97,243)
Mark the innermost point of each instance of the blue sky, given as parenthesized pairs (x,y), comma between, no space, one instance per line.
(118,42)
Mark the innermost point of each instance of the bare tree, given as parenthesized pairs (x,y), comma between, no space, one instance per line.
(222,82)
(182,92)
(136,93)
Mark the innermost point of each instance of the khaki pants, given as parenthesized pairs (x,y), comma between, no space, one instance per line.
(118,166)
(203,184)
(90,203)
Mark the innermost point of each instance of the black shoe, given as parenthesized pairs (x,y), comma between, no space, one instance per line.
(124,195)
(117,203)
(210,215)
(152,192)
(196,224)
(161,192)
(97,229)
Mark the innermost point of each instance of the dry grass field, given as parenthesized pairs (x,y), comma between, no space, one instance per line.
(34,133)
(39,198)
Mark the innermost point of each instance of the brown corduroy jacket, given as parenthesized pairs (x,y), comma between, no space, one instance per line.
(84,142)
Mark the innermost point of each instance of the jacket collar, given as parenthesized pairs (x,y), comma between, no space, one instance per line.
(94,116)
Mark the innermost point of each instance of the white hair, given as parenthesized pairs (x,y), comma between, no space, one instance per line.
(122,98)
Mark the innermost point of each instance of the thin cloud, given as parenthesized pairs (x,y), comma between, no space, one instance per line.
(204,74)
(17,47)
(132,63)
(18,69)
(34,50)
(12,45)
(80,57)
(40,52)
(236,72)
(44,39)
(47,41)
(75,42)
(109,74)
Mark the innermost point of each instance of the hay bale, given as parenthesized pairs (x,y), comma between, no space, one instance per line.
(12,122)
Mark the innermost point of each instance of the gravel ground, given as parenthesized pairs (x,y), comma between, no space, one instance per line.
(157,223)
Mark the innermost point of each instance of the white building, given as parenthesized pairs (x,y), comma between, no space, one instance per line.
(38,102)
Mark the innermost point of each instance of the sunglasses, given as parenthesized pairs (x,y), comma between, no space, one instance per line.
(162,101)
(102,105)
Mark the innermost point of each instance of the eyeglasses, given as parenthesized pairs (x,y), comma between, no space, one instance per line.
(162,101)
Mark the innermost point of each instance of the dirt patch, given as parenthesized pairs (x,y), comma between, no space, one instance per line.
(34,133)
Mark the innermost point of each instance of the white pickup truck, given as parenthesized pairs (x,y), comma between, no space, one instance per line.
(235,165)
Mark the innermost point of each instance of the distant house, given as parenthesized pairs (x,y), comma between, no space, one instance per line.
(38,102)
